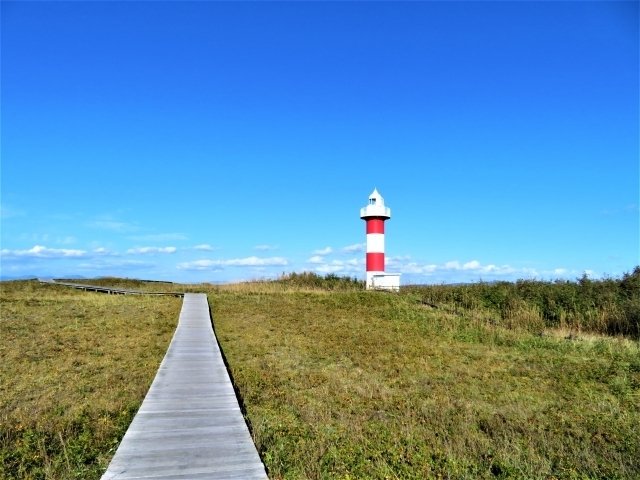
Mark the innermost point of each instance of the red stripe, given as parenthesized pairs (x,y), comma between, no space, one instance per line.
(375,225)
(375,262)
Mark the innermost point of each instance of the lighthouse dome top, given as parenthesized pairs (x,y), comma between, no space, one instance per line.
(375,198)
(376,207)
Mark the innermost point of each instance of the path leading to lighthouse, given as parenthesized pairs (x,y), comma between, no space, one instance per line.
(109,290)
(189,425)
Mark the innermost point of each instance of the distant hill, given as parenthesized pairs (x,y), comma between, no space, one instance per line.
(8,278)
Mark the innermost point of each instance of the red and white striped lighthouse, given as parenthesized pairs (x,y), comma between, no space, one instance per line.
(375,214)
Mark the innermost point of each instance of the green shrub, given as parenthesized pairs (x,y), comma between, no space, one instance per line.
(607,306)
(312,280)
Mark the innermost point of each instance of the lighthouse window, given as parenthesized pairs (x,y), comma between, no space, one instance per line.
(372,201)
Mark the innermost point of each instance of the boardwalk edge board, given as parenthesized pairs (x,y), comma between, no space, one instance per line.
(109,290)
(189,425)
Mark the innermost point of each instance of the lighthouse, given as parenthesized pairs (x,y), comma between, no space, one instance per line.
(375,214)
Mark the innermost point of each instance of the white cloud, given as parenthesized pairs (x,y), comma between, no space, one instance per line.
(256,261)
(200,265)
(39,251)
(455,269)
(151,250)
(265,247)
(399,258)
(101,251)
(233,262)
(351,266)
(356,247)
(204,247)
(329,269)
(414,267)
(565,273)
(323,251)
(472,265)
(452,265)
(394,261)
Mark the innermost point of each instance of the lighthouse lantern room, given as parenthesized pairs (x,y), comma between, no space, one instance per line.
(375,214)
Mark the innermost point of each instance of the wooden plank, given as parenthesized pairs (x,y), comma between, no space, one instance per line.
(189,425)
(109,290)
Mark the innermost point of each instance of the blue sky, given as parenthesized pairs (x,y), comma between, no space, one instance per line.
(221,141)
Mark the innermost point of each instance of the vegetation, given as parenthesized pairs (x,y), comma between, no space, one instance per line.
(504,380)
(610,306)
(331,281)
(376,385)
(129,284)
(74,368)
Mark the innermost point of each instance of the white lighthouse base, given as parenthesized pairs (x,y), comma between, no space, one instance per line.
(383,281)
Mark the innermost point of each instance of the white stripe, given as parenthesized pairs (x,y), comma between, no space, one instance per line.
(375,242)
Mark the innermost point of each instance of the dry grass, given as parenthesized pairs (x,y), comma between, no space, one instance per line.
(74,367)
(342,384)
(373,385)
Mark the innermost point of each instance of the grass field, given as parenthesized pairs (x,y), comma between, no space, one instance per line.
(74,368)
(336,382)
(374,385)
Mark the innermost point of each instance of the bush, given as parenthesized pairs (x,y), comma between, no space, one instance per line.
(607,306)
(312,280)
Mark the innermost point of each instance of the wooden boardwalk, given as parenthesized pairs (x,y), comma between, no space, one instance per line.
(109,290)
(189,425)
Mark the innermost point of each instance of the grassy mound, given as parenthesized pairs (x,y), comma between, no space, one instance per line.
(352,384)
(474,381)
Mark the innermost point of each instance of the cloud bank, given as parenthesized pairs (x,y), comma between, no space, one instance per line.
(204,247)
(40,251)
(253,261)
(151,250)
